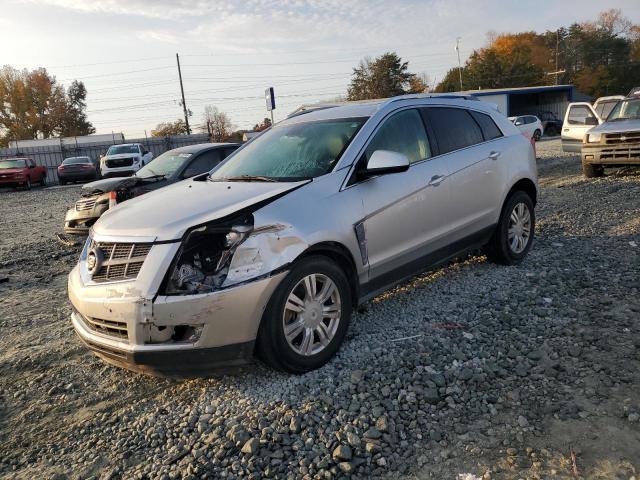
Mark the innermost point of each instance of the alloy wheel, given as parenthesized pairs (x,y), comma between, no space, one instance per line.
(519,231)
(312,314)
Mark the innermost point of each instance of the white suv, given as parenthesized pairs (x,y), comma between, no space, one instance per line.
(272,251)
(124,160)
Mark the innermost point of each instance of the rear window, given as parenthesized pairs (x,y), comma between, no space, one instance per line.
(489,128)
(454,128)
(76,160)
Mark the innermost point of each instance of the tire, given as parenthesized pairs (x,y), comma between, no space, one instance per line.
(27,184)
(592,171)
(537,135)
(500,248)
(289,355)
(43,181)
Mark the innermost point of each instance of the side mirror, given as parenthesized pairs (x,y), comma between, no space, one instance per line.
(591,121)
(382,162)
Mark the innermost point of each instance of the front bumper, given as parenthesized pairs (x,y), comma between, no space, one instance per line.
(12,181)
(79,222)
(127,327)
(611,155)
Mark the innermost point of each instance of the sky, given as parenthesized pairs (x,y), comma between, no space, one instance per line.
(230,51)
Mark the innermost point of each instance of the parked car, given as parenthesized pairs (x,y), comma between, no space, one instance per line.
(21,172)
(529,125)
(615,142)
(170,167)
(273,250)
(581,117)
(74,169)
(551,125)
(124,160)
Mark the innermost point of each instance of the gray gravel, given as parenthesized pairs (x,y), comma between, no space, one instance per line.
(472,371)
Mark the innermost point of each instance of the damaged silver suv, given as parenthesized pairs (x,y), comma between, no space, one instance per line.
(271,252)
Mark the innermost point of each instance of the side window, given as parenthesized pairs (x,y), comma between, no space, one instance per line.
(32,164)
(228,151)
(202,163)
(579,115)
(489,128)
(403,133)
(454,128)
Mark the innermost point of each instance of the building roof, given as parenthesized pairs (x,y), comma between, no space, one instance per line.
(518,90)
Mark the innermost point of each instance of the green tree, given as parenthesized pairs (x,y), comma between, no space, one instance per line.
(266,123)
(165,129)
(383,77)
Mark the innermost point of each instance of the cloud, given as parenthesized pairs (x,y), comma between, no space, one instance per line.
(157,36)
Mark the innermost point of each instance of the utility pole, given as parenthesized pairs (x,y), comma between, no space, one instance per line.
(459,63)
(184,105)
(557,47)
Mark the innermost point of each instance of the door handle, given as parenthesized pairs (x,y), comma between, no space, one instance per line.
(494,155)
(436,180)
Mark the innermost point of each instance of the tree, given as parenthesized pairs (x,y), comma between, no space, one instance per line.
(266,123)
(217,124)
(33,105)
(383,77)
(166,129)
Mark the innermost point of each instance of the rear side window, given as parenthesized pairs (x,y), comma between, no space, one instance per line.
(454,128)
(489,128)
(403,133)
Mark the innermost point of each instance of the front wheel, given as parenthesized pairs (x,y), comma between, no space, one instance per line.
(307,317)
(513,236)
(592,171)
(27,184)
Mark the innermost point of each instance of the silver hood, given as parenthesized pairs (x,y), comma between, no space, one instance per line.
(618,126)
(167,213)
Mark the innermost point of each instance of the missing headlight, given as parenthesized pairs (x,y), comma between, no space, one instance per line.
(202,263)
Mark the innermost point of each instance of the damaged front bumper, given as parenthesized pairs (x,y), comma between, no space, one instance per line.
(86,211)
(128,324)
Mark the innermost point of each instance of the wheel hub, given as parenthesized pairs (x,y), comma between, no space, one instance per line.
(312,314)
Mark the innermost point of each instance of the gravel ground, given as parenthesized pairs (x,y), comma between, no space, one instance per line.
(472,371)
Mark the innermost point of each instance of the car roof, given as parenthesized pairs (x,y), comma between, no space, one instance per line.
(198,147)
(367,108)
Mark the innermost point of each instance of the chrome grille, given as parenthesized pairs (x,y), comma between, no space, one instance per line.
(122,261)
(621,153)
(622,138)
(86,203)
(119,162)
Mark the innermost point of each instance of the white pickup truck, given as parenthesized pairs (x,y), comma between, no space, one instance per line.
(124,160)
(581,117)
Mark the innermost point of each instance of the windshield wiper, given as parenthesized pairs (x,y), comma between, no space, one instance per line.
(153,177)
(246,178)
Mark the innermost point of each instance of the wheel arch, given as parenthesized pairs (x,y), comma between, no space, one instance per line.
(343,258)
(526,185)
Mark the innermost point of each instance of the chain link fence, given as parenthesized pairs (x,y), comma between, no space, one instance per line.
(51,156)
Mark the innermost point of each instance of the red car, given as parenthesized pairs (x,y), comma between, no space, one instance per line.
(21,172)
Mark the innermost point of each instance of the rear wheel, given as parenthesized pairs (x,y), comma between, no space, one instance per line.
(592,171)
(513,236)
(537,135)
(27,184)
(43,181)
(307,317)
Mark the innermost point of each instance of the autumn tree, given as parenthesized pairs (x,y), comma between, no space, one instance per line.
(216,123)
(386,76)
(165,129)
(33,105)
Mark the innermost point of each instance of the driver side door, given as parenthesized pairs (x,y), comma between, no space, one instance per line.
(404,212)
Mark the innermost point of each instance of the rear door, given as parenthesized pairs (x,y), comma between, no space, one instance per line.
(471,144)
(579,118)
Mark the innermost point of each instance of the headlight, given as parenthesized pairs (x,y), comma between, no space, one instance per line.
(202,263)
(593,137)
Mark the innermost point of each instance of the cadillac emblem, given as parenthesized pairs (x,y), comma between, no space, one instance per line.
(94,260)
